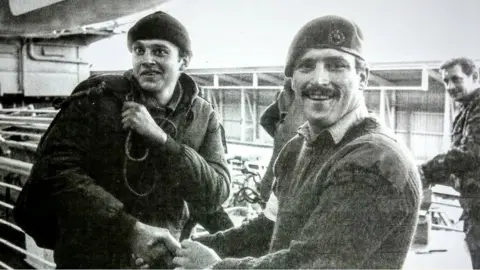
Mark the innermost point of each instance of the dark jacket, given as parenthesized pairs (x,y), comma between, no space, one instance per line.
(81,170)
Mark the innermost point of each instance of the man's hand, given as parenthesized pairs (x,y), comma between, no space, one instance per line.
(149,243)
(136,117)
(194,255)
(435,170)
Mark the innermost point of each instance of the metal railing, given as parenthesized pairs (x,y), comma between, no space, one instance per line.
(20,130)
(21,168)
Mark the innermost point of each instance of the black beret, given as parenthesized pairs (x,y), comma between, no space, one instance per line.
(325,32)
(160,25)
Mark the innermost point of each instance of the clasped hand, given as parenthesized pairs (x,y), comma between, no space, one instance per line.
(149,244)
(194,255)
(136,117)
(191,255)
(435,170)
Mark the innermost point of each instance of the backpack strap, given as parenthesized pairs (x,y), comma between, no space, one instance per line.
(96,86)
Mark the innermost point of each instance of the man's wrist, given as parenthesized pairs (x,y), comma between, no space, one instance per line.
(163,137)
(212,266)
(158,136)
(136,228)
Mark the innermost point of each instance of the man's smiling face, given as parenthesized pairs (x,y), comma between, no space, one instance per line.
(328,83)
(156,64)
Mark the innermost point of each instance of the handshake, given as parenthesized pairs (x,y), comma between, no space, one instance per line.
(155,247)
(434,171)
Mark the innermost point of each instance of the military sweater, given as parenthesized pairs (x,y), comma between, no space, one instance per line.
(346,201)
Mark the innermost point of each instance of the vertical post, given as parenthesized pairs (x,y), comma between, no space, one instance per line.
(255,115)
(220,105)
(382,106)
(447,111)
(220,96)
(393,110)
(254,103)
(388,117)
(409,130)
(215,80)
(254,79)
(242,115)
(425,77)
(252,110)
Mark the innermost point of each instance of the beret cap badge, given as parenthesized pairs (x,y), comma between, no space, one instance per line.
(336,37)
(328,31)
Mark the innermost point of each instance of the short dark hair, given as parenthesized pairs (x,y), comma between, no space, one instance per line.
(468,65)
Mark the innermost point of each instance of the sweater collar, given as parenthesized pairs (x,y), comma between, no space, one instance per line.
(338,130)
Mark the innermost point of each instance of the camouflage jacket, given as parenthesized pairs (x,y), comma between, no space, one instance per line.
(461,162)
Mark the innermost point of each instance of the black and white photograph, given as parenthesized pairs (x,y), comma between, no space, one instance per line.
(239,134)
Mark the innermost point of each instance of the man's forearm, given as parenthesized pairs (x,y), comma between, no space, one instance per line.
(250,239)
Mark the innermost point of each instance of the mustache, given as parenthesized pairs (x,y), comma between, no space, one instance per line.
(317,89)
(147,70)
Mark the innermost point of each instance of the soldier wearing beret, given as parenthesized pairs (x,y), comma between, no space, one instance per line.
(461,164)
(346,192)
(129,160)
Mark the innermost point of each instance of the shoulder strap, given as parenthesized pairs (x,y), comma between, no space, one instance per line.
(96,86)
(32,212)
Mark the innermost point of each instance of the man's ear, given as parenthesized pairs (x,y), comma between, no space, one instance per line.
(475,76)
(364,78)
(184,61)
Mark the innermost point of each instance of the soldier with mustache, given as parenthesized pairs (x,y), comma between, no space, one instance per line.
(346,193)
(129,160)
(460,165)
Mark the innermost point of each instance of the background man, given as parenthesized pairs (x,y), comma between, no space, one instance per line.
(129,158)
(281,120)
(348,193)
(462,162)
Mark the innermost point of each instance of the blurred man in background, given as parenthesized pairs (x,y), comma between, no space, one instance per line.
(461,164)
(280,120)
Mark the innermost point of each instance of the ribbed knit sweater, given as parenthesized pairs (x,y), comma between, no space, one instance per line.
(350,204)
